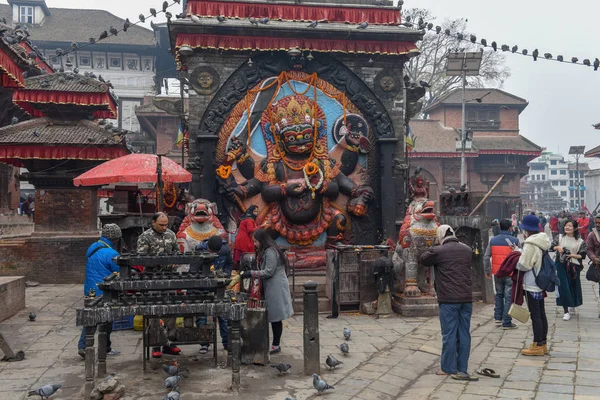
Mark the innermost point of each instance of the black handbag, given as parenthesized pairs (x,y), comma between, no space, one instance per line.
(593,273)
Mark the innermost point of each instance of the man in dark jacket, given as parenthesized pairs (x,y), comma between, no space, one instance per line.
(99,265)
(495,254)
(452,262)
(224,263)
(593,246)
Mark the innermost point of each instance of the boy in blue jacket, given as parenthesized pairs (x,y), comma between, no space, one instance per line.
(99,265)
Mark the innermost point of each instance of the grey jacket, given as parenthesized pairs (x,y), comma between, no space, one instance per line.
(276,286)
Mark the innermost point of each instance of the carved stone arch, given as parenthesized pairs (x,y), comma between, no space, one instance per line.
(434,189)
(268,65)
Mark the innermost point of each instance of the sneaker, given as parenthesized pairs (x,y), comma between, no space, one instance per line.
(81,352)
(275,349)
(203,349)
(511,326)
(113,352)
(566,317)
(173,351)
(498,322)
(157,354)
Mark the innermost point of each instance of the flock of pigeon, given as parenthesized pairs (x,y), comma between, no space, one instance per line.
(318,383)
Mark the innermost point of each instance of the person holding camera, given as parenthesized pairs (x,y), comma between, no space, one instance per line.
(570,252)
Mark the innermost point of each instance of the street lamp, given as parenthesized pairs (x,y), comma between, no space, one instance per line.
(577,151)
(463,64)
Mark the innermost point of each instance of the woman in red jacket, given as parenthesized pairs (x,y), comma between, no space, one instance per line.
(243,240)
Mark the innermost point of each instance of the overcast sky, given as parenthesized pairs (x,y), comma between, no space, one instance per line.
(563,98)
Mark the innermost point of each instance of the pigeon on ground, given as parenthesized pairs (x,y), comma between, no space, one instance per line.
(345,349)
(253,21)
(195,19)
(347,333)
(14,120)
(32,316)
(282,367)
(221,18)
(172,382)
(264,21)
(320,384)
(363,25)
(332,362)
(463,188)
(172,395)
(452,190)
(313,24)
(290,398)
(175,369)
(45,391)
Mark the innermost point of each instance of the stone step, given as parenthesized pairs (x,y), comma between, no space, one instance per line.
(299,283)
(12,296)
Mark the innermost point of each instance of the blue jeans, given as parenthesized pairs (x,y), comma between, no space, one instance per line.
(222,328)
(81,344)
(455,320)
(503,294)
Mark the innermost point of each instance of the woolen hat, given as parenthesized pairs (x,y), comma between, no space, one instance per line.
(111,231)
(530,223)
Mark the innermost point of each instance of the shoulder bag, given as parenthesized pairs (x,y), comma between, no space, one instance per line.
(516,311)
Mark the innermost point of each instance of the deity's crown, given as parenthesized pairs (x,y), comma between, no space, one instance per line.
(297,111)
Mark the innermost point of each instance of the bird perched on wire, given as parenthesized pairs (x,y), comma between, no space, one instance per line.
(221,18)
(142,18)
(559,58)
(45,391)
(494,46)
(313,24)
(172,395)
(152,25)
(168,15)
(535,54)
(484,42)
(596,64)
(463,188)
(332,362)
(32,314)
(347,333)
(363,25)
(574,60)
(126,24)
(264,21)
(282,367)
(165,5)
(113,31)
(320,384)
(524,52)
(514,49)
(103,35)
(344,348)
(153,12)
(547,56)
(92,40)
(586,62)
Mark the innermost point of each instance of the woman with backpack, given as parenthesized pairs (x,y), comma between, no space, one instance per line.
(271,261)
(570,252)
(530,262)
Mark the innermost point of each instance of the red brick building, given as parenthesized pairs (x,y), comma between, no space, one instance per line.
(497,148)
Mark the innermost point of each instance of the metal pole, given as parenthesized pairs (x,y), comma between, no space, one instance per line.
(159,184)
(311,329)
(182,116)
(577,195)
(463,166)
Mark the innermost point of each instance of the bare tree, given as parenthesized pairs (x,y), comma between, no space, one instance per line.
(431,64)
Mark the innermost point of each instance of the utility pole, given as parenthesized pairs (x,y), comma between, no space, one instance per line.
(577,151)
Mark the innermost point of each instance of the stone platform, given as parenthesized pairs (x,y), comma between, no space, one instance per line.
(424,306)
(12,296)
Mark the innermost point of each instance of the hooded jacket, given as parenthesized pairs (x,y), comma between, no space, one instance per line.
(223,261)
(99,264)
(452,262)
(531,257)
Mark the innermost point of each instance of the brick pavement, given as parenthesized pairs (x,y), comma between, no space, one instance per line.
(391,358)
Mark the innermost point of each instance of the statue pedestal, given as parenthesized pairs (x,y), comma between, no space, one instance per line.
(422,306)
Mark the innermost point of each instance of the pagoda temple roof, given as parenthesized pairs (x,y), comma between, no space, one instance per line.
(52,139)
(47,94)
(488,96)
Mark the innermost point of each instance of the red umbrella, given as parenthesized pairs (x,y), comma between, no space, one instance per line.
(133,168)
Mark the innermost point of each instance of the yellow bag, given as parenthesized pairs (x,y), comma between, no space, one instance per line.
(519,313)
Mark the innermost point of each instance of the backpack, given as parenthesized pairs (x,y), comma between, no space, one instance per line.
(547,279)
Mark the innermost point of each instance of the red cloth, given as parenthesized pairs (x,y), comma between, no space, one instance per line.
(26,99)
(12,154)
(554,224)
(517,293)
(12,75)
(295,12)
(269,43)
(509,264)
(243,239)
